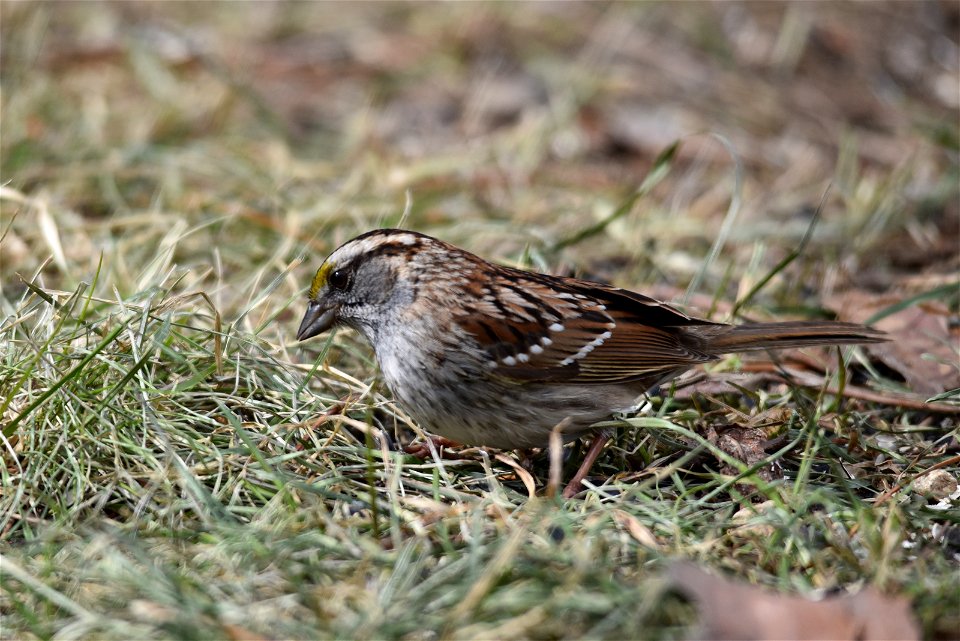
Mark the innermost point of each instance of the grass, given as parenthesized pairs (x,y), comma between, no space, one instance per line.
(175,465)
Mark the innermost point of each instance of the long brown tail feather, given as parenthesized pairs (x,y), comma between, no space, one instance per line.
(744,338)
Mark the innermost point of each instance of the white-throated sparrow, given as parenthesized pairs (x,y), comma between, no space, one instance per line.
(489,355)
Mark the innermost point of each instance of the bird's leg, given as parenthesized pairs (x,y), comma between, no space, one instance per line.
(593,453)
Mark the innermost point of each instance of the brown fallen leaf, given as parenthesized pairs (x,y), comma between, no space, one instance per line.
(749,438)
(525,476)
(734,610)
(922,348)
(746,444)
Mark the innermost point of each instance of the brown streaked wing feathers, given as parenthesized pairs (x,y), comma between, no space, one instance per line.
(638,352)
(642,345)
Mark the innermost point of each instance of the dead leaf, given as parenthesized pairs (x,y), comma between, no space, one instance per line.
(734,610)
(746,444)
(522,474)
(922,348)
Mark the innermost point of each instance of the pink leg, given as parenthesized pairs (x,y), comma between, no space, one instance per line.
(576,483)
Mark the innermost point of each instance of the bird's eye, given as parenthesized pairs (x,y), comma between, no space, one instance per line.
(338,279)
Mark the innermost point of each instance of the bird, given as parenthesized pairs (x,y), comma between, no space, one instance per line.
(488,355)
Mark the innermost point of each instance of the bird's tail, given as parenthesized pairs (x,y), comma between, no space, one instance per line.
(757,336)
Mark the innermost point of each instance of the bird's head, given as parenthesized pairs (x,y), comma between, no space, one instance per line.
(365,282)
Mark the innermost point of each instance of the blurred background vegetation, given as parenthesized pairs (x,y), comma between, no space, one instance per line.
(510,125)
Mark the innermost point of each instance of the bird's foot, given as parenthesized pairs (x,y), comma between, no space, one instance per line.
(422,450)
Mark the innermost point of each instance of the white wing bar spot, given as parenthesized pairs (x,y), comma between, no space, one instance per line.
(586,349)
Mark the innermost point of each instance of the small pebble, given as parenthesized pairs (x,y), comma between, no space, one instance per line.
(937,484)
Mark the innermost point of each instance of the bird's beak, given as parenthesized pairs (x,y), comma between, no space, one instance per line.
(318,319)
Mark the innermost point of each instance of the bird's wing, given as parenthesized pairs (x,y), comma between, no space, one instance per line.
(535,327)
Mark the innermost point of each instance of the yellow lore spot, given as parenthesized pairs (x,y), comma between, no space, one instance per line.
(319,280)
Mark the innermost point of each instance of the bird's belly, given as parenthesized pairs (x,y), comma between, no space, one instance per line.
(522,419)
(482,411)
(461,401)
